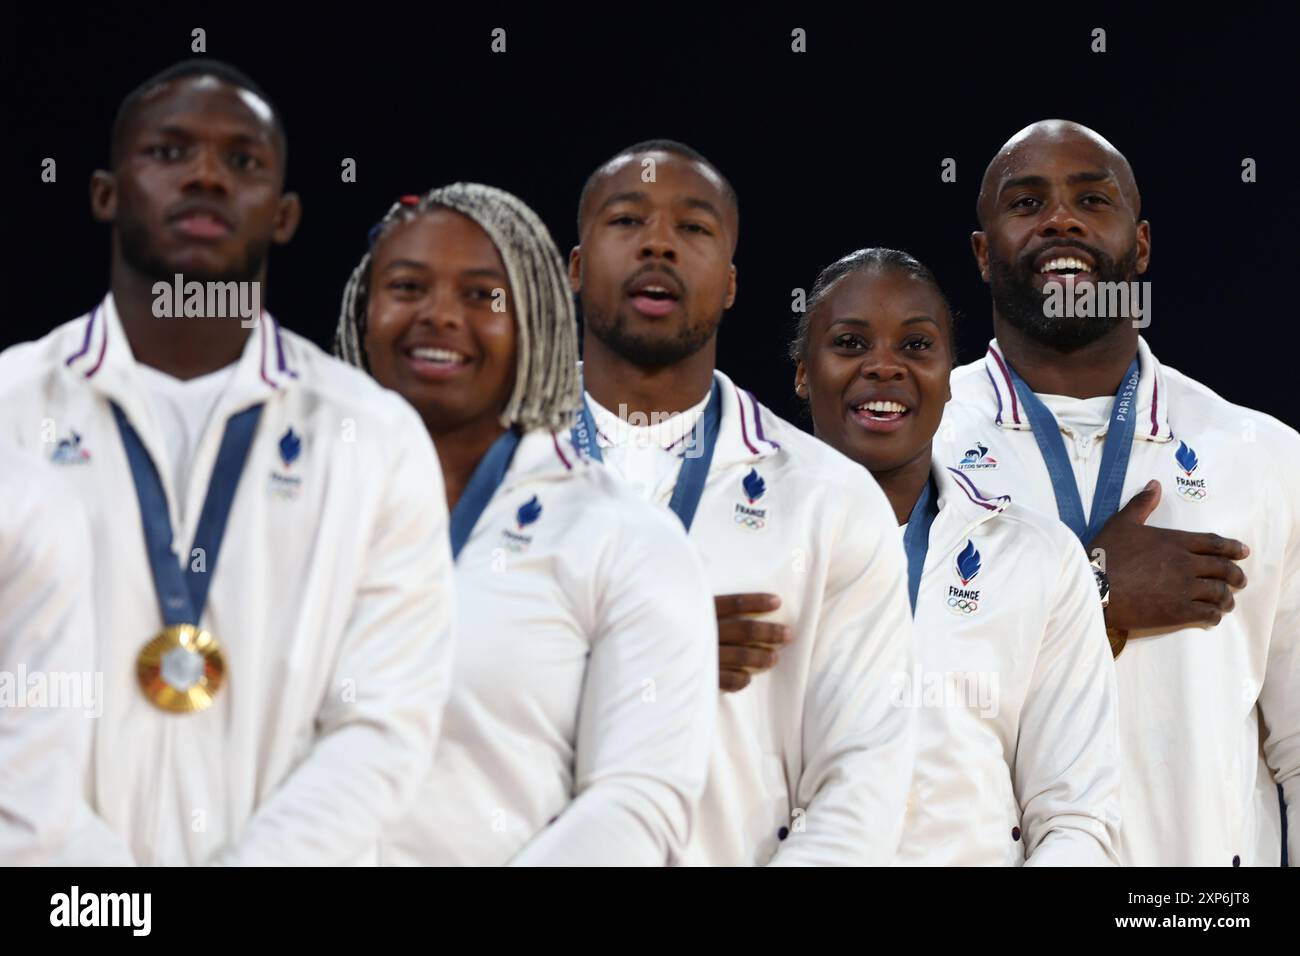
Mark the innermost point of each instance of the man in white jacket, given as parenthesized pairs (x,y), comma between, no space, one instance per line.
(813,758)
(1072,415)
(50,688)
(272,577)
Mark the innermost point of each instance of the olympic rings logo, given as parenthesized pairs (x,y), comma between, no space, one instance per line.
(1192,494)
(963,605)
(750,522)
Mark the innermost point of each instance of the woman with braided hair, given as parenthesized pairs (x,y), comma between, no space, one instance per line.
(580,718)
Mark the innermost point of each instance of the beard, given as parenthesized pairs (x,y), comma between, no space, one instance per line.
(648,351)
(1020,302)
(147,261)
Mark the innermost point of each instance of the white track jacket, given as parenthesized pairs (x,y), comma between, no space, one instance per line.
(332,600)
(1209,716)
(581,714)
(813,759)
(1017,758)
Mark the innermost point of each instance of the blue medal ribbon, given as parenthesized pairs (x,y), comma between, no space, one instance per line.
(695,470)
(1114,457)
(483,484)
(916,539)
(182,593)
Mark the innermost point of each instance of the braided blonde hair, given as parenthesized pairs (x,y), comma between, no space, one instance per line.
(546,392)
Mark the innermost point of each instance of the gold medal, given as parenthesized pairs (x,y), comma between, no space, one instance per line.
(181,669)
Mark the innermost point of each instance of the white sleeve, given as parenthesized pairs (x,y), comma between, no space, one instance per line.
(1279,697)
(858,737)
(47,637)
(648,708)
(1066,773)
(378,724)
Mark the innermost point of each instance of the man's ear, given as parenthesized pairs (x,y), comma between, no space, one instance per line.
(730,300)
(103,196)
(287,216)
(800,380)
(979,244)
(1143,246)
(575,269)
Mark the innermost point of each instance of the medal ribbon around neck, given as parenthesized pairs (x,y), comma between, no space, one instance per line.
(916,539)
(182,668)
(695,470)
(1114,457)
(483,484)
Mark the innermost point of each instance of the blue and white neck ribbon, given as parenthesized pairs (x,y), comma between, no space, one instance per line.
(1114,458)
(483,484)
(916,539)
(182,593)
(695,468)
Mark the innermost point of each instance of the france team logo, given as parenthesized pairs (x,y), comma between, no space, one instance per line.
(283,484)
(290,447)
(968,563)
(526,514)
(745,515)
(1190,488)
(965,600)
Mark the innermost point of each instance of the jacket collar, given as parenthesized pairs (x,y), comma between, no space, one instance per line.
(1152,397)
(103,359)
(543,455)
(743,431)
(962,505)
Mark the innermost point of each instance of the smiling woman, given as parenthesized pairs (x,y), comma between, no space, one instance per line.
(995,590)
(873,351)
(548,753)
(547,394)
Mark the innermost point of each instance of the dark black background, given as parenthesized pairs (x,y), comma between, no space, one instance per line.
(348,910)
(830,150)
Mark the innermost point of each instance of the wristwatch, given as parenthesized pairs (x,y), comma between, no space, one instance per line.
(1103,583)
(1118,638)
